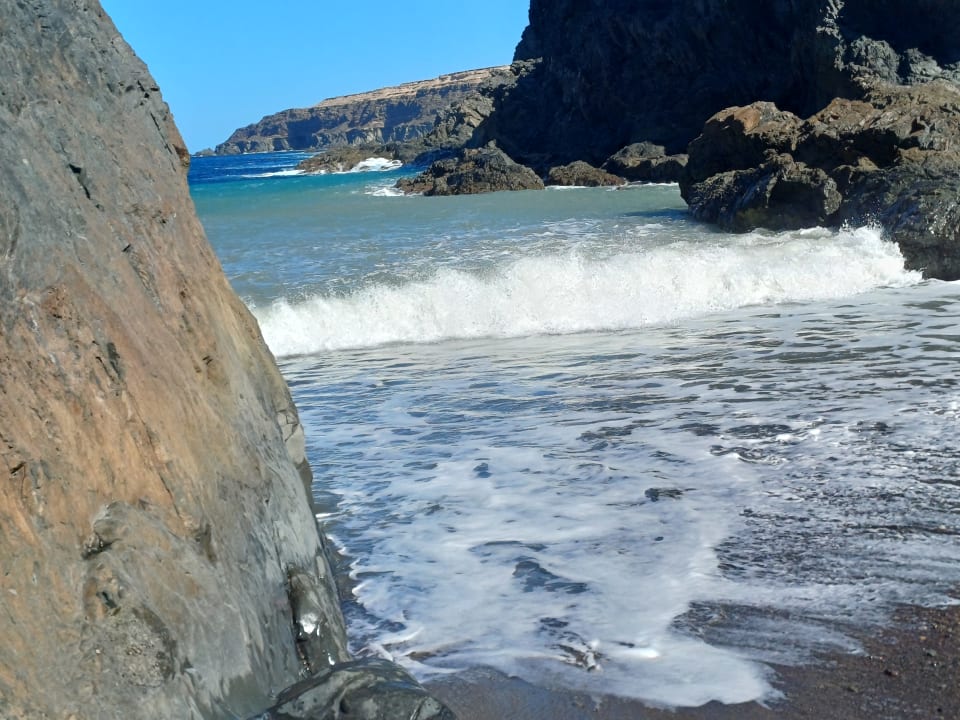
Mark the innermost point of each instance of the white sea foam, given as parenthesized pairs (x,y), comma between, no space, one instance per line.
(278,173)
(645,514)
(376,164)
(572,292)
(383,191)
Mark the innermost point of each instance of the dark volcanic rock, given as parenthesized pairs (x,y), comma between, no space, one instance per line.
(368,689)
(477,170)
(892,158)
(622,71)
(390,115)
(579,173)
(779,194)
(646,162)
(159,557)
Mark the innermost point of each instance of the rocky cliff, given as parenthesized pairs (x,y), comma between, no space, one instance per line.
(390,115)
(615,72)
(159,557)
(633,82)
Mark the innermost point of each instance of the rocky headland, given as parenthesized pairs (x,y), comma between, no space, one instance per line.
(770,114)
(399,114)
(159,556)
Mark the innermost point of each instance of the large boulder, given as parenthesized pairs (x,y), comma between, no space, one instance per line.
(159,556)
(646,162)
(473,170)
(579,173)
(892,158)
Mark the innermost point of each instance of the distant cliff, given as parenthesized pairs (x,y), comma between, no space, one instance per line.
(390,115)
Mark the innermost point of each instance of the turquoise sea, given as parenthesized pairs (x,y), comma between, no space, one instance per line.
(577,437)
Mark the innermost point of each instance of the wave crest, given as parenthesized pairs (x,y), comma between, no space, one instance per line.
(572,293)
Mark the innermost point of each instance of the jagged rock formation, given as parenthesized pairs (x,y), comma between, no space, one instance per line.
(579,173)
(390,115)
(623,71)
(629,81)
(472,171)
(892,158)
(159,557)
(646,162)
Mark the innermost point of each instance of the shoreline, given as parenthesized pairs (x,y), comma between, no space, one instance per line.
(909,668)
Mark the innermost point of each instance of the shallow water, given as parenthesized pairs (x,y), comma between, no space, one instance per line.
(579,438)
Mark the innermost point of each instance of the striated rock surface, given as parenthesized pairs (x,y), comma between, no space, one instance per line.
(618,72)
(473,170)
(390,115)
(892,158)
(159,557)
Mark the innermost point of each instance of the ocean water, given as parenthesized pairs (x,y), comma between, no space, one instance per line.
(577,437)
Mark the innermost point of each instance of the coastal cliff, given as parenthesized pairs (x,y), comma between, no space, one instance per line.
(624,71)
(390,115)
(159,557)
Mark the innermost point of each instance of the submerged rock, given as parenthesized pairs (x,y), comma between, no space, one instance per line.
(159,557)
(892,158)
(486,169)
(344,159)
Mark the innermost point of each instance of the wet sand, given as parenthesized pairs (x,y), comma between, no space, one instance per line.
(911,669)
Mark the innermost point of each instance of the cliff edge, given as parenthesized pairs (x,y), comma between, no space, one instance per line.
(159,557)
(389,115)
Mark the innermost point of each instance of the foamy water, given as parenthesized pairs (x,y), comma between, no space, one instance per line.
(647,513)
(573,292)
(576,437)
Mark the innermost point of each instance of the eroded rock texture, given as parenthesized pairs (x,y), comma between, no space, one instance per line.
(158,555)
(472,171)
(892,159)
(618,72)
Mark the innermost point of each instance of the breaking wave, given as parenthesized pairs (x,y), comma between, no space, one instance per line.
(570,293)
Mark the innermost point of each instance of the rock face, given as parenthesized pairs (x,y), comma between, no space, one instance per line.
(390,115)
(892,159)
(158,554)
(473,170)
(618,72)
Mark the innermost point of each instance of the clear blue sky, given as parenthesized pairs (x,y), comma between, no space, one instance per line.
(223,64)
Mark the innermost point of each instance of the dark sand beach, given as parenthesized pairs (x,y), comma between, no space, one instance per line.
(910,669)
